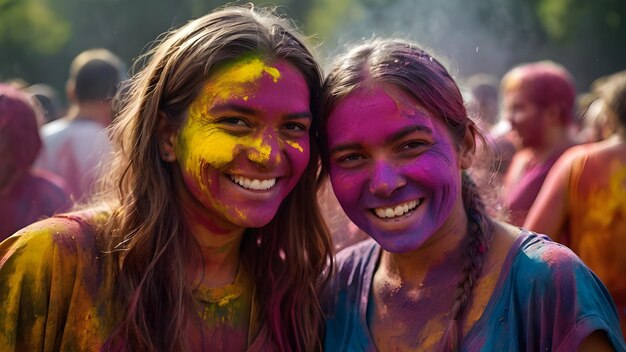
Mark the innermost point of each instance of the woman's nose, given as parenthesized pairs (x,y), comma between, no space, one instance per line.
(385,179)
(266,150)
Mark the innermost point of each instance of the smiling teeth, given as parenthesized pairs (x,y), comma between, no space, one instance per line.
(398,210)
(257,185)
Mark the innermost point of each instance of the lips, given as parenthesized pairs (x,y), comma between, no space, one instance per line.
(397,210)
(254,184)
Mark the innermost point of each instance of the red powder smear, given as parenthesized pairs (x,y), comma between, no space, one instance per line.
(554,255)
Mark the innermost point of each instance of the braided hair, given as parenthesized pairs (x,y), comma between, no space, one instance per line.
(480,232)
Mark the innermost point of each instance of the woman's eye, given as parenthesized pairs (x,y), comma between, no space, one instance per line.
(234,121)
(412,145)
(350,157)
(295,126)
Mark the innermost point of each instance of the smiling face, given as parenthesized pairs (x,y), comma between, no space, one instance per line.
(245,143)
(394,168)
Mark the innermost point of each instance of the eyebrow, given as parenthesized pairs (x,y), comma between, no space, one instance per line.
(407,131)
(300,115)
(394,137)
(342,147)
(233,107)
(251,111)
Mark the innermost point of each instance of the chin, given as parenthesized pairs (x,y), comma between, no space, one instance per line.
(254,218)
(397,244)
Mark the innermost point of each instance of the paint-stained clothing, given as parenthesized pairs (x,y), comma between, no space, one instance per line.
(75,150)
(545,299)
(596,212)
(57,293)
(522,184)
(31,197)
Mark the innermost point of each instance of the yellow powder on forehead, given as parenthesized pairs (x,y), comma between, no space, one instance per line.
(233,82)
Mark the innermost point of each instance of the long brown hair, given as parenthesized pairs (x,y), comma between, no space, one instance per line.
(146,233)
(404,65)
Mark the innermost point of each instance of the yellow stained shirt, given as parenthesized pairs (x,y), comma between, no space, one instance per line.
(57,293)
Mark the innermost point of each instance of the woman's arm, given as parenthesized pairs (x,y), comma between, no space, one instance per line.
(596,342)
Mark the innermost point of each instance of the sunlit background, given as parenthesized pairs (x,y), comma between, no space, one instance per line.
(39,38)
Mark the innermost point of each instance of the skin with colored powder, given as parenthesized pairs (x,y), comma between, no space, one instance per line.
(245,143)
(206,235)
(414,169)
(438,273)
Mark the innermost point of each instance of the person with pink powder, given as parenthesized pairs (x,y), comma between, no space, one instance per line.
(438,273)
(26,194)
(208,237)
(538,101)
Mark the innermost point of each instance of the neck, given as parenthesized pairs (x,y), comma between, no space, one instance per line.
(443,253)
(220,259)
(558,141)
(219,243)
(94,111)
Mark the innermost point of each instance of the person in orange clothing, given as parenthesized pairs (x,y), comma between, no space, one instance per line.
(582,204)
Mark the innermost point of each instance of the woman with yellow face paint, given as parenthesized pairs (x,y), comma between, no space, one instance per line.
(207,236)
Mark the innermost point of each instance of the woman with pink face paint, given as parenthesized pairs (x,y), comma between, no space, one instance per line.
(207,235)
(438,273)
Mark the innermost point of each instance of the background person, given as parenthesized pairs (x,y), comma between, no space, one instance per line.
(76,145)
(26,194)
(538,101)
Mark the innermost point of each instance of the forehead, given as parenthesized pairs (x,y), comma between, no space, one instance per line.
(250,72)
(374,113)
(256,83)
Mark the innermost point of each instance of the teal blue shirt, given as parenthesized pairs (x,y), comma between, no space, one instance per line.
(545,299)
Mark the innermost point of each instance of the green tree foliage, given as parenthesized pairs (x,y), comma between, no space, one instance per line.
(39,38)
(29,31)
(489,35)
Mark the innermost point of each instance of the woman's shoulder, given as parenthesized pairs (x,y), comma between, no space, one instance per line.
(63,235)
(551,270)
(543,257)
(534,260)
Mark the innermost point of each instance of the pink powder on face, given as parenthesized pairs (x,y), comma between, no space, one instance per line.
(387,151)
(527,119)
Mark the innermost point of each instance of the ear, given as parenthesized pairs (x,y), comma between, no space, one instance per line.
(468,147)
(70,90)
(166,136)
